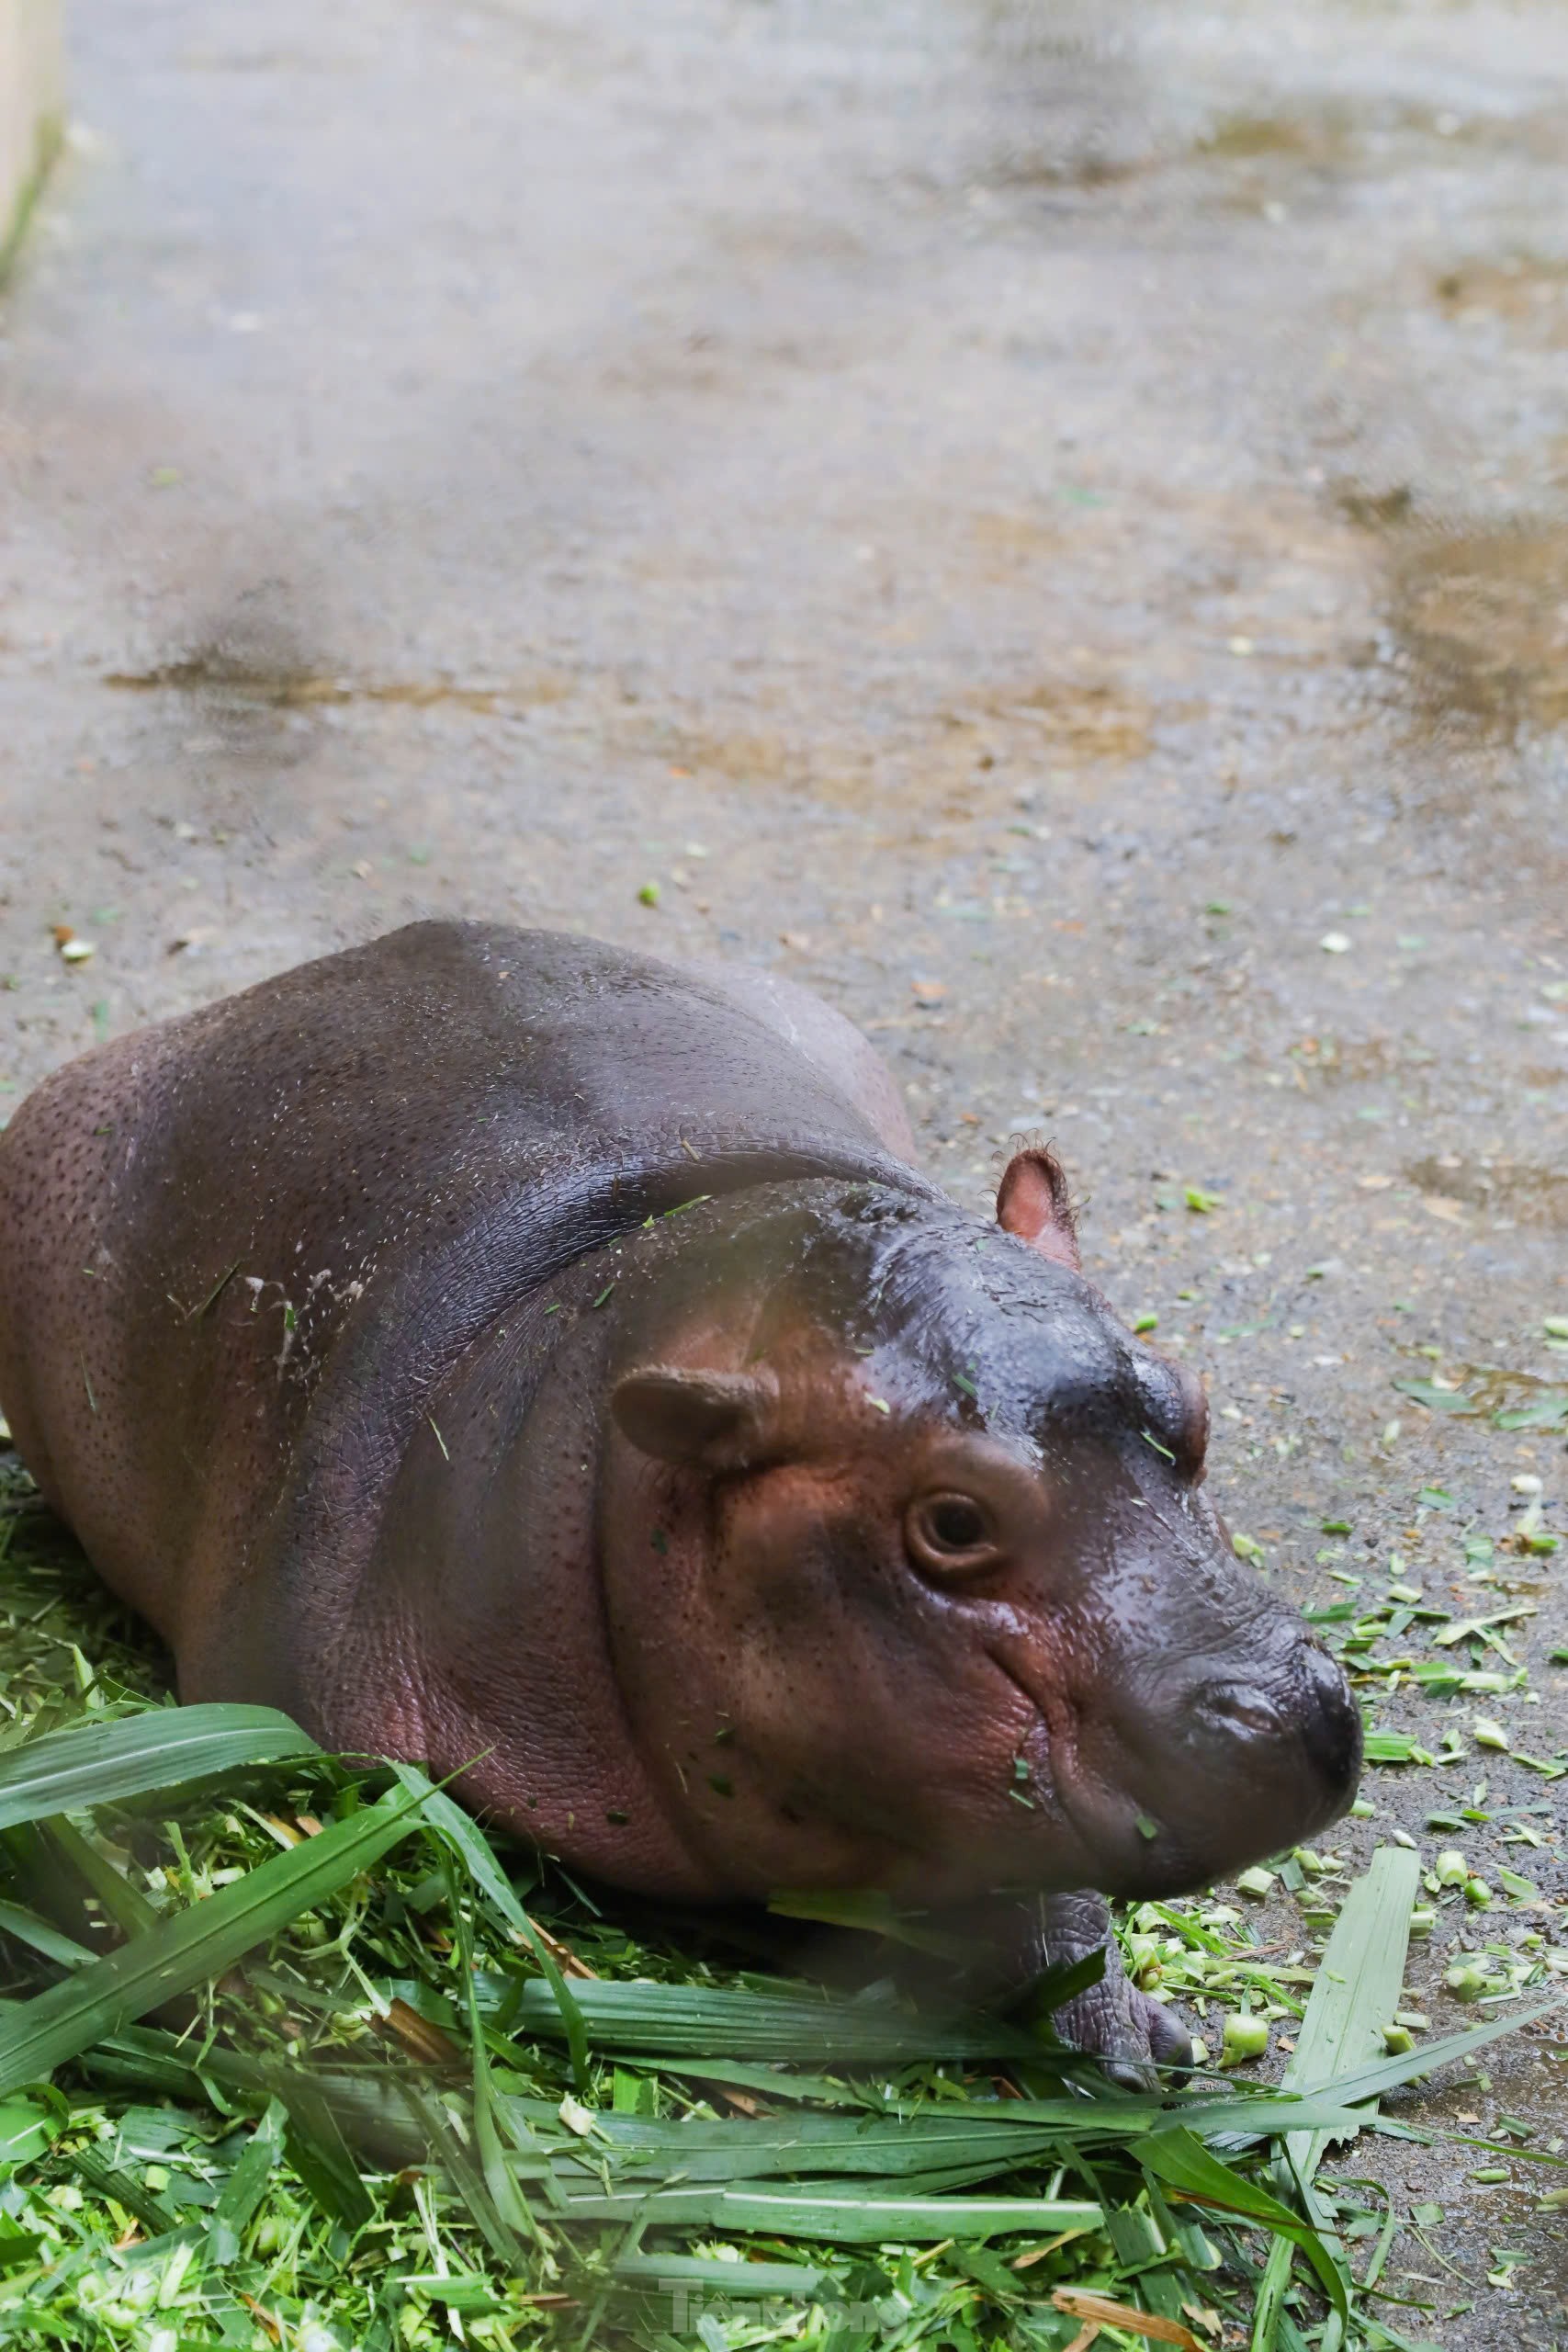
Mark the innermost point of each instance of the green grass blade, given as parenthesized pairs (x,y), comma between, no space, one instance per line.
(27,2129)
(1413,2065)
(442,2141)
(165,1747)
(836,2218)
(468,1843)
(108,2180)
(511,2218)
(1260,2114)
(871,1911)
(1181,2162)
(733,2281)
(1356,1989)
(855,2220)
(41,1936)
(369,2104)
(194,1945)
(722,2149)
(318,2153)
(1354,1995)
(772,2082)
(245,2188)
(77,1857)
(701,2021)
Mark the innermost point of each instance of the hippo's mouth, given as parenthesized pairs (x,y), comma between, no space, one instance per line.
(1101,1829)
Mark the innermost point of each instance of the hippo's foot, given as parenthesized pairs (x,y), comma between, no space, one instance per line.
(1008,1945)
(992,1954)
(1112,2020)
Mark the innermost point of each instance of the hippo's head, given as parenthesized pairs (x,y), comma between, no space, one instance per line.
(937,1599)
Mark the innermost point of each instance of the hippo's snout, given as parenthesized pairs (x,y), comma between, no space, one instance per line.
(1285,1740)
(1314,1710)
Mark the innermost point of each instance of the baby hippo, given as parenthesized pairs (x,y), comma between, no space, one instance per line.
(490,1344)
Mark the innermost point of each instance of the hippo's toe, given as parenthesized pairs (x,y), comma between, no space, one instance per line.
(1132,2035)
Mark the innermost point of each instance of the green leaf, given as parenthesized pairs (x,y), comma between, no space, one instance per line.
(165,1747)
(1466,1629)
(463,1835)
(194,1945)
(1354,1996)
(469,2292)
(835,2216)
(1182,2162)
(108,2180)
(699,2021)
(971,2135)
(318,2153)
(245,2188)
(444,2142)
(1542,1413)
(509,2220)
(870,1909)
(41,1936)
(1389,1747)
(803,2282)
(1356,1989)
(26,2131)
(75,1857)
(1438,1400)
(1413,2065)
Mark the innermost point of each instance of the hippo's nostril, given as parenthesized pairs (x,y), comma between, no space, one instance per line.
(1233,1707)
(1331,1721)
(1309,1703)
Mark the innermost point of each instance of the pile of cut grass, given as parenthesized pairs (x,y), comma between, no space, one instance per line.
(293,2055)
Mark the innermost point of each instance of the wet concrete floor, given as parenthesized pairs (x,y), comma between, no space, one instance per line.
(1049,524)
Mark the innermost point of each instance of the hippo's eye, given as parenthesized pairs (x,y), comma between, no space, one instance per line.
(949,1534)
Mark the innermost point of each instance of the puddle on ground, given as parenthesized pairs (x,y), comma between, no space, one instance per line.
(738,758)
(1482,618)
(1375,510)
(1506,1188)
(1320,139)
(1094,719)
(1524,290)
(238,682)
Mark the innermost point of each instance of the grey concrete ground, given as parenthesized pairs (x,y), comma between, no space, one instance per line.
(1049,524)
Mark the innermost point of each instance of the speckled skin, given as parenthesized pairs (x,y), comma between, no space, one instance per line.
(489,1344)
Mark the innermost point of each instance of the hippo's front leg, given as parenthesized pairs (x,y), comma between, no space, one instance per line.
(1112,2020)
(1004,1946)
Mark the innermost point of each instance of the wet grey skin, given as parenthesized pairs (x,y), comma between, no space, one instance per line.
(491,1344)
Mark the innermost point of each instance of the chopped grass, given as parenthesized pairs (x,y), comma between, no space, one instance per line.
(294,2054)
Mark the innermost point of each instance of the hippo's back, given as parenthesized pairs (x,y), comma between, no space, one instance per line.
(334,1182)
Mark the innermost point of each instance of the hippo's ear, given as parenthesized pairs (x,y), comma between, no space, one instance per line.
(1033,1201)
(713,1419)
